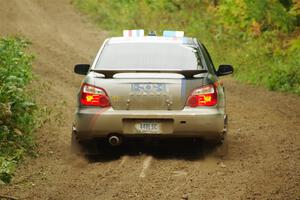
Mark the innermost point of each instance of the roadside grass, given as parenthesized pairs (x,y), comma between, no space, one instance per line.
(19,115)
(261,49)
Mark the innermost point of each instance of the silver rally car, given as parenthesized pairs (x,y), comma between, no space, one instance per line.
(151,86)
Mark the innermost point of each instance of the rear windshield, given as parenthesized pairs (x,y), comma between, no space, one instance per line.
(148,56)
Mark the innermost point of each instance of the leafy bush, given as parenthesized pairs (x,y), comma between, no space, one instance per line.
(275,72)
(17,111)
(262,29)
(255,16)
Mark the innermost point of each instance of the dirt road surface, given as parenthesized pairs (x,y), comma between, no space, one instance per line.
(264,154)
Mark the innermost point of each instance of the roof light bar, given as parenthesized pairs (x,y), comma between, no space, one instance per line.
(133,33)
(173,34)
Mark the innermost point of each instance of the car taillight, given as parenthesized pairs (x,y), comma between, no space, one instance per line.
(203,96)
(93,96)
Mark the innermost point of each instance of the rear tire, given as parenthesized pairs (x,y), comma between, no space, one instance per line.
(222,146)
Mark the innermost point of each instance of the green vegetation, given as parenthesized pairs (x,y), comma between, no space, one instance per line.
(18,114)
(260,38)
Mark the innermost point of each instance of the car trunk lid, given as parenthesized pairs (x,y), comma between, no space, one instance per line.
(147,91)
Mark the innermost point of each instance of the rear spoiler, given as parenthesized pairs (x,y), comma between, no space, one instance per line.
(185,73)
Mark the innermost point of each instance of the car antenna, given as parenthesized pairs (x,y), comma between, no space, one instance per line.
(152,33)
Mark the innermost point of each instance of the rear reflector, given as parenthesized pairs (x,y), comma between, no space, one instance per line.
(203,96)
(93,96)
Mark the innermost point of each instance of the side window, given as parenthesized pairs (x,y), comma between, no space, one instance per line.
(207,57)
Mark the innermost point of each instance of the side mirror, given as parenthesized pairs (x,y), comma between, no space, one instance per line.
(81,69)
(224,70)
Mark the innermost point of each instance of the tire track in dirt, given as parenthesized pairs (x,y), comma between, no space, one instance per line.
(146,165)
(264,153)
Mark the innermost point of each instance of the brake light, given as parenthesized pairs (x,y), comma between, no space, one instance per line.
(93,96)
(203,96)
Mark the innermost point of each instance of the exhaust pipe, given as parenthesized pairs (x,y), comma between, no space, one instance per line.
(114,140)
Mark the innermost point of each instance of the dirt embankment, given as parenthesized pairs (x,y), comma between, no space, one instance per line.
(264,153)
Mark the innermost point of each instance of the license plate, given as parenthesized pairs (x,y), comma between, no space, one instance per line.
(148,127)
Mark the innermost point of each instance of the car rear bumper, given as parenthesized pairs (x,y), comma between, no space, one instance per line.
(189,122)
